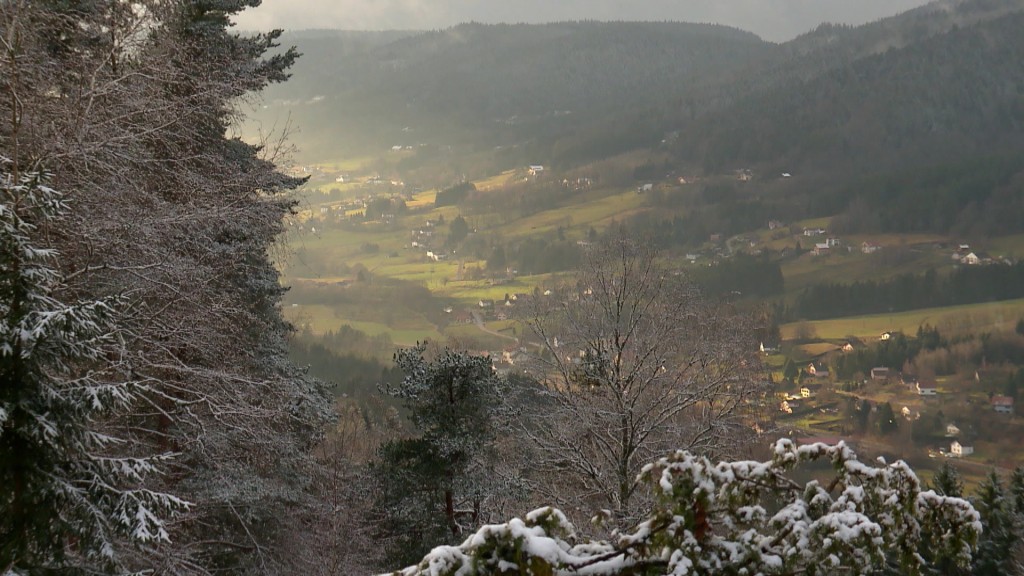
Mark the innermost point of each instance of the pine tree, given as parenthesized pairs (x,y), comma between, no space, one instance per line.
(1001,531)
(1017,489)
(66,497)
(432,489)
(887,422)
(947,481)
(789,370)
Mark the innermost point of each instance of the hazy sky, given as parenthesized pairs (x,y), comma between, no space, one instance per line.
(771,19)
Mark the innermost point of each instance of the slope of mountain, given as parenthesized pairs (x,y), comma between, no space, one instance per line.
(908,123)
(920,138)
(497,84)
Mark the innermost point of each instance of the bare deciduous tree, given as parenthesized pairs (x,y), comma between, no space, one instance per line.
(634,364)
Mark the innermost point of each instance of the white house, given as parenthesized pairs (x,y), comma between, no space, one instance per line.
(952,430)
(927,389)
(959,450)
(817,370)
(975,258)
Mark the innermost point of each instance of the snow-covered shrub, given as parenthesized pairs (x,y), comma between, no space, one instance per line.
(740,518)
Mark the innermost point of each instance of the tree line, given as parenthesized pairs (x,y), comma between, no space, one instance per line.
(965,285)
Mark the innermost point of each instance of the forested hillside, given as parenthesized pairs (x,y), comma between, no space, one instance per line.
(917,133)
(502,84)
(874,119)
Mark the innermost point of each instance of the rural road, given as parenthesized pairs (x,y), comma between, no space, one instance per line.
(479,322)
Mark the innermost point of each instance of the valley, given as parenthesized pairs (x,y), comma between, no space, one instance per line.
(439,200)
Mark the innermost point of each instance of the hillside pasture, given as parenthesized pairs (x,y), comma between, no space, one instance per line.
(808,269)
(952,320)
(807,352)
(470,291)
(1007,246)
(320,319)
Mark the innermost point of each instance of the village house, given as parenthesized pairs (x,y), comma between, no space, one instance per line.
(817,369)
(952,430)
(975,258)
(822,249)
(958,450)
(870,247)
(1002,404)
(926,389)
(879,373)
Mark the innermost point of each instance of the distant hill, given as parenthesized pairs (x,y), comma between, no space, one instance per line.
(919,138)
(500,84)
(911,123)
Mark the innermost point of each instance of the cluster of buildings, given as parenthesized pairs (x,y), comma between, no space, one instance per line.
(964,255)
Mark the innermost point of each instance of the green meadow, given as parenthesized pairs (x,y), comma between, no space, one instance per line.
(976,318)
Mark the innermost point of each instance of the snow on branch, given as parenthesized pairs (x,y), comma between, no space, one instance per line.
(742,517)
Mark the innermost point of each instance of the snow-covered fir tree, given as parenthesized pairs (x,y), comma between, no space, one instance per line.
(67,497)
(131,104)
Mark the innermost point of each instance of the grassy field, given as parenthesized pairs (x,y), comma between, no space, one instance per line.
(809,269)
(469,336)
(596,212)
(808,351)
(496,182)
(469,291)
(320,319)
(1007,246)
(424,199)
(986,317)
(352,164)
